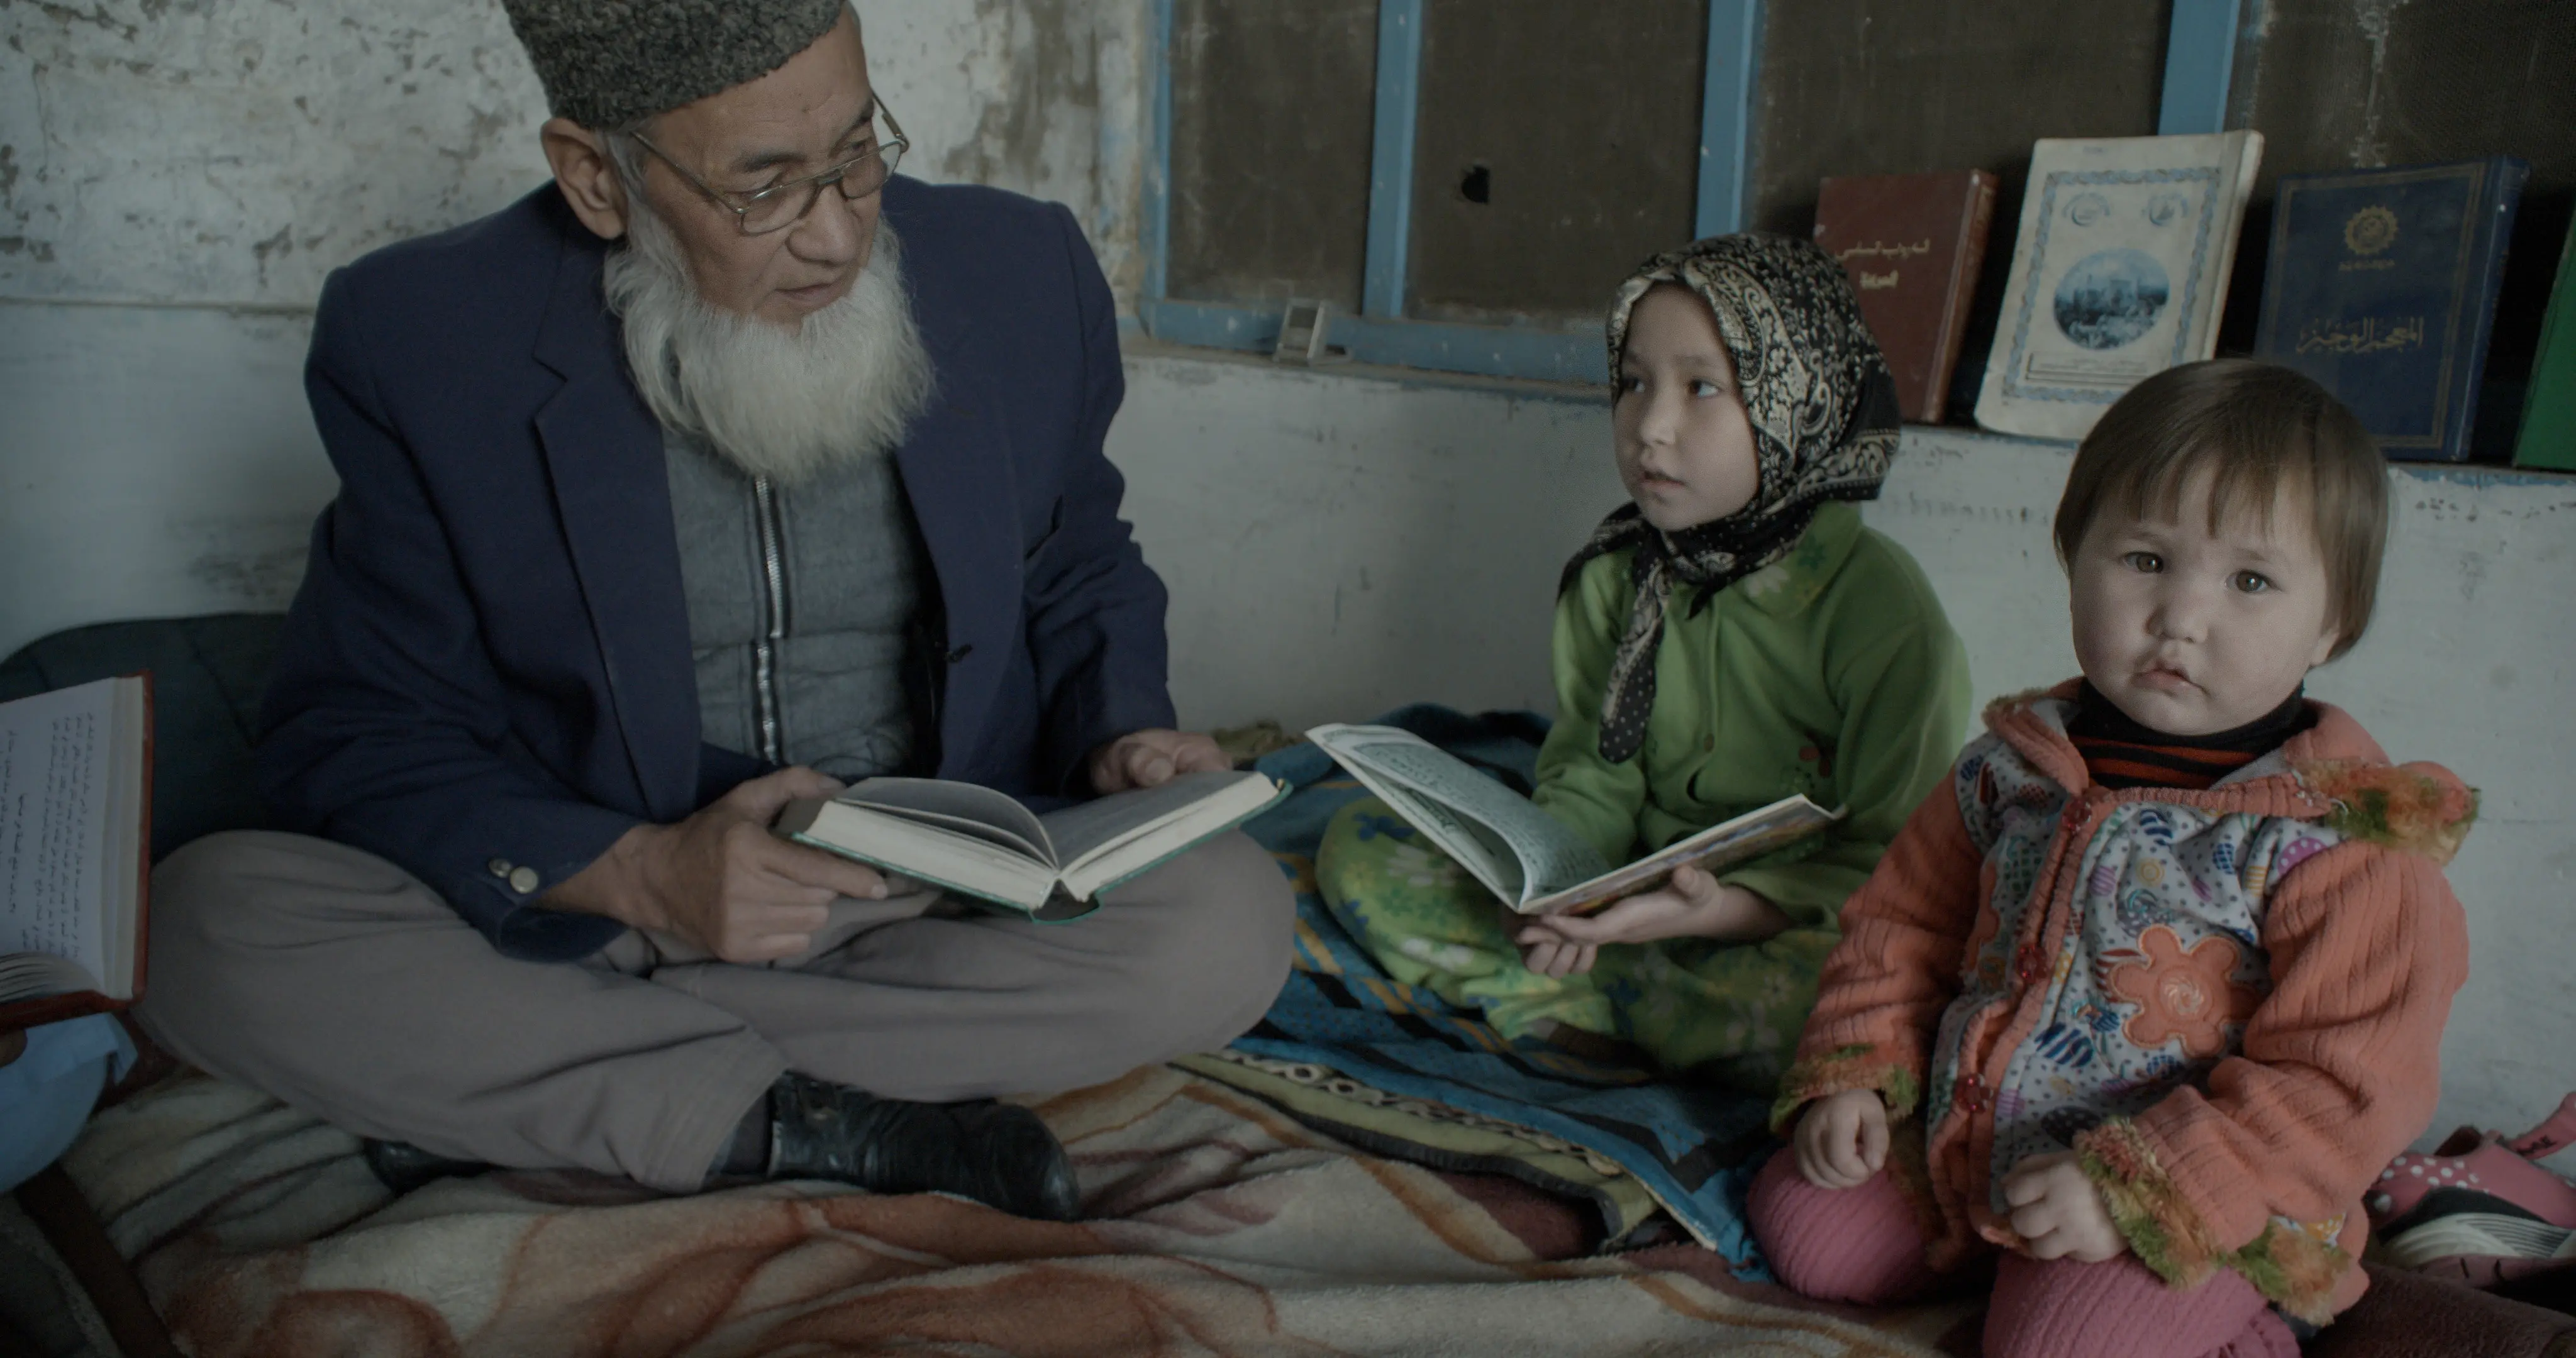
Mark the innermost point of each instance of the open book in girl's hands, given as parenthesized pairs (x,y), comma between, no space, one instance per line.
(1521,853)
(981,843)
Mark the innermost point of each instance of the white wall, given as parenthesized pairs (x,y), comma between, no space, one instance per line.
(1336,543)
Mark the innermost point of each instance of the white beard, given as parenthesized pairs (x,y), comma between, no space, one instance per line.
(842,387)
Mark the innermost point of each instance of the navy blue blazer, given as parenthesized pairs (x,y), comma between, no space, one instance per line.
(487,667)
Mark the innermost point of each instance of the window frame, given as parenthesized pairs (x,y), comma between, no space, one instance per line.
(2200,53)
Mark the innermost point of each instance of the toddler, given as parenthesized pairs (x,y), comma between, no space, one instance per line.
(2140,1003)
(1731,636)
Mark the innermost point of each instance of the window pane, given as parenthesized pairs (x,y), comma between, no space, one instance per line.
(1272,106)
(1556,147)
(2457,81)
(1895,86)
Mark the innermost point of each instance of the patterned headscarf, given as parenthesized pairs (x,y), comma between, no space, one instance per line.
(1824,416)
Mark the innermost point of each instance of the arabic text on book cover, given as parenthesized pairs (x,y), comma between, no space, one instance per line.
(1912,244)
(2381,285)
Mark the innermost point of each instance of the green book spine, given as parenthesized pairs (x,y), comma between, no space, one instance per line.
(2549,410)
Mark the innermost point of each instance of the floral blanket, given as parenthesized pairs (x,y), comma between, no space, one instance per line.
(1217,1226)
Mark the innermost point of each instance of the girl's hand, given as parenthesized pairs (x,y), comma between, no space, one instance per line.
(1551,954)
(1692,904)
(1841,1140)
(2059,1213)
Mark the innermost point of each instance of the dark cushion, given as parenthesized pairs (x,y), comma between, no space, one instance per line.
(207,676)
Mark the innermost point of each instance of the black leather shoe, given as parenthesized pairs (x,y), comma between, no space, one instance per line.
(402,1166)
(996,1153)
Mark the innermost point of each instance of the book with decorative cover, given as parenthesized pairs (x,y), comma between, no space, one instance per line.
(2381,284)
(1913,245)
(75,849)
(2549,412)
(2119,272)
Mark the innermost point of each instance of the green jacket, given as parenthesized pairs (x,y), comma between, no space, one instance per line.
(1831,672)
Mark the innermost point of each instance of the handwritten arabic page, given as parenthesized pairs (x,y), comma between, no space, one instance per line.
(72,787)
(53,826)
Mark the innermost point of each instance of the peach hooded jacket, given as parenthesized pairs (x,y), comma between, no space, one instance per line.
(2228,1002)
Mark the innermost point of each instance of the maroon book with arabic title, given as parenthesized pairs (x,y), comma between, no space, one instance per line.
(1912,244)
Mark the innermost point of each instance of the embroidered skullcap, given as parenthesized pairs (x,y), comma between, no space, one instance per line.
(608,63)
(1823,409)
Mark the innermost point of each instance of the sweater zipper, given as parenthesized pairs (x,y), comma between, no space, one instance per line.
(773,581)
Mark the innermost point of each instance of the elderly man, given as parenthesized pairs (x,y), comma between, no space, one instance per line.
(722,468)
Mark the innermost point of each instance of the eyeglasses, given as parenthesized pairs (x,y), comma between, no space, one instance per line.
(783,205)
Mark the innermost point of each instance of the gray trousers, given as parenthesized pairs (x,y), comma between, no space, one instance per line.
(342,985)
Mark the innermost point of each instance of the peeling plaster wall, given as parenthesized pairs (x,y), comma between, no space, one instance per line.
(238,150)
(178,176)
(1042,97)
(235,151)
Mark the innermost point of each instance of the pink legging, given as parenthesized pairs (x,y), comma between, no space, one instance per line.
(1863,1245)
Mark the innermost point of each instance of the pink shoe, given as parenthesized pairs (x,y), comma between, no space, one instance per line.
(2478,1201)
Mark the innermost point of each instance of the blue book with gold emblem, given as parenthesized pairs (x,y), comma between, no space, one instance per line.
(2381,284)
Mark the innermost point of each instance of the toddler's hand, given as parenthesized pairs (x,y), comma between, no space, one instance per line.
(2058,1212)
(1841,1140)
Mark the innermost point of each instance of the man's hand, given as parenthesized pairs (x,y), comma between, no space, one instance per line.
(1692,903)
(1841,1139)
(1153,758)
(2058,1212)
(720,880)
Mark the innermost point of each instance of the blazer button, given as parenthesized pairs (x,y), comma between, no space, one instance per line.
(500,867)
(523,880)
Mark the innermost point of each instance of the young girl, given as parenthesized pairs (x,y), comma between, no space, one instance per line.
(1732,636)
(2147,995)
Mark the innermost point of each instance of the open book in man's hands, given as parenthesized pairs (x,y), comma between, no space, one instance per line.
(75,849)
(1521,853)
(981,843)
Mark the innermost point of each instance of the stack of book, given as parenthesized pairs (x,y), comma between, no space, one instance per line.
(2382,284)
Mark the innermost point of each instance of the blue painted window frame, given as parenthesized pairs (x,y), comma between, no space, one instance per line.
(2199,54)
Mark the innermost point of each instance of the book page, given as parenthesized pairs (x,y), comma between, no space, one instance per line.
(1159,824)
(55,778)
(970,859)
(1087,827)
(997,818)
(1550,857)
(1718,847)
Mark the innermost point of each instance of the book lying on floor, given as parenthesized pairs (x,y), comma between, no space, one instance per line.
(1522,854)
(981,843)
(75,805)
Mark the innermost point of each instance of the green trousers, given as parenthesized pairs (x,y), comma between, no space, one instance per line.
(1731,1011)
